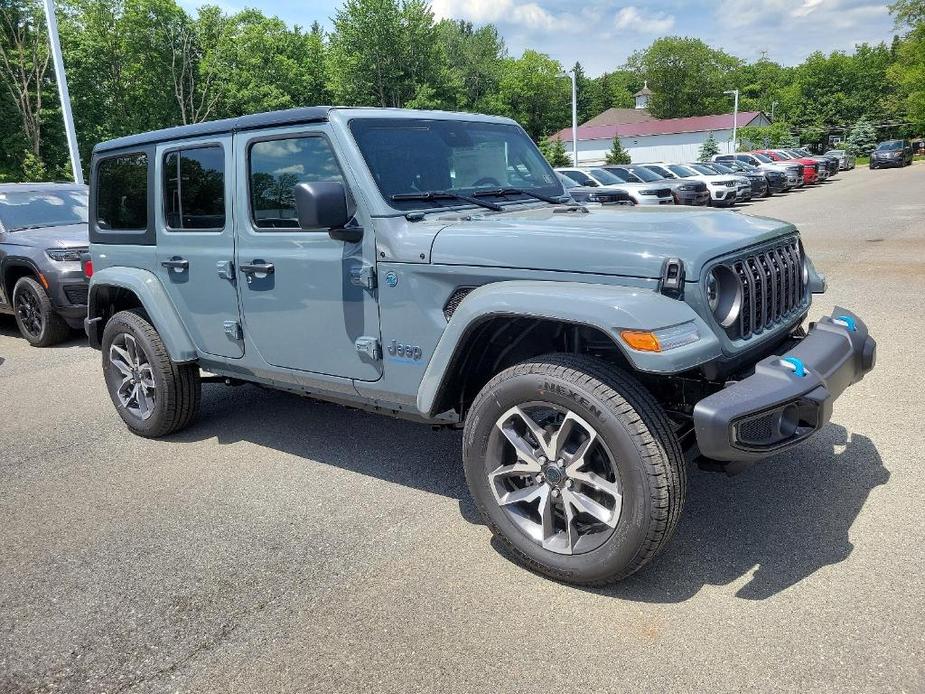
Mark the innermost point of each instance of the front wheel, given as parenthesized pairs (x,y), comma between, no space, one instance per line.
(153,395)
(36,318)
(575,467)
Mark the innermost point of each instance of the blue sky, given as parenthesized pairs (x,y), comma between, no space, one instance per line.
(602,33)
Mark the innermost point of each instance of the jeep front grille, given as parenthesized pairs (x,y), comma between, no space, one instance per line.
(771,283)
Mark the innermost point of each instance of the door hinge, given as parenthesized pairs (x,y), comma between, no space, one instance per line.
(364,276)
(233,329)
(225,269)
(370,347)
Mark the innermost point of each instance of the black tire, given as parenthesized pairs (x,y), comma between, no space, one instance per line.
(651,470)
(36,318)
(178,388)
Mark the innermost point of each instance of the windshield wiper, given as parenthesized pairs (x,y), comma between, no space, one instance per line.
(446,195)
(519,191)
(44,225)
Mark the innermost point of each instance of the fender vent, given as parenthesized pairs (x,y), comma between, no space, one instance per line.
(455,300)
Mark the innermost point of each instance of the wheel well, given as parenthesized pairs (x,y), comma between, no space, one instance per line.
(13,274)
(106,301)
(502,341)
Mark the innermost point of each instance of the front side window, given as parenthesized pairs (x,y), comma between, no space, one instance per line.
(194,188)
(122,192)
(276,167)
(411,157)
(33,209)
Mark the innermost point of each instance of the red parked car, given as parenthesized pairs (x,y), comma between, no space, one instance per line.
(810,166)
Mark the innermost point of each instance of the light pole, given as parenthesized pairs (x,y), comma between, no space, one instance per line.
(773,105)
(735,116)
(62,90)
(571,73)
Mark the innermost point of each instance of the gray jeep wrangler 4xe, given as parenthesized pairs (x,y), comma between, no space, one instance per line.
(429,265)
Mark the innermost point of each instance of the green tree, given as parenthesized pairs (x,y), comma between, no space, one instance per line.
(686,75)
(761,137)
(616,154)
(554,150)
(534,92)
(862,138)
(472,62)
(708,148)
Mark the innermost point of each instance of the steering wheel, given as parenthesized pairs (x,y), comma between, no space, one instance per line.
(486,181)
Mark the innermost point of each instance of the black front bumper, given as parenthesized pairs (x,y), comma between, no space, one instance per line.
(790,396)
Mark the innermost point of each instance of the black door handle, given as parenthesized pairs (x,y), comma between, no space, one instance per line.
(257,268)
(176,263)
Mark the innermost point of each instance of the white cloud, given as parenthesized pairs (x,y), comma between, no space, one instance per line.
(632,18)
(526,14)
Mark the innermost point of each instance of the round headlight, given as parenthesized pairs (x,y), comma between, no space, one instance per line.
(724,295)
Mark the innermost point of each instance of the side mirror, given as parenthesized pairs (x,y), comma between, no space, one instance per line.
(321,205)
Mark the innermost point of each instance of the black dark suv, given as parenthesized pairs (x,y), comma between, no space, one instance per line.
(891,153)
(43,231)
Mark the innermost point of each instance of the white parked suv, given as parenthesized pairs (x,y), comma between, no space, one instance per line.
(743,185)
(642,193)
(722,188)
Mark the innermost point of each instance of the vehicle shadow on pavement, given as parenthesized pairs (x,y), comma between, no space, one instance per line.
(394,450)
(8,328)
(788,516)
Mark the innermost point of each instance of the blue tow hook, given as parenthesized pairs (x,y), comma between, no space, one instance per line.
(796,364)
(848,322)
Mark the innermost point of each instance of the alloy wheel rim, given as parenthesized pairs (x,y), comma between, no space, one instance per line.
(136,390)
(29,312)
(554,477)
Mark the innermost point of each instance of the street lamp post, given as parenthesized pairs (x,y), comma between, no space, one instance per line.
(62,90)
(735,116)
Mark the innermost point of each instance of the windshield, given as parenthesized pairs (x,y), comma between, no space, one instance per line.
(703,168)
(681,171)
(660,170)
(42,208)
(413,156)
(835,152)
(605,178)
(763,158)
(892,144)
(644,174)
(567,182)
(782,154)
(624,175)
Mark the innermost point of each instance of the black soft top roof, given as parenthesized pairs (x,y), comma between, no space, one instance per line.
(228,125)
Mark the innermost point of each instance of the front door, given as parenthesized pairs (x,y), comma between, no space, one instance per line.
(304,296)
(195,241)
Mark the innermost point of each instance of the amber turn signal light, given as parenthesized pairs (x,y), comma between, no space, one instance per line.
(641,340)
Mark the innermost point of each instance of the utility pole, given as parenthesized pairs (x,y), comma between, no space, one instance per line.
(574,117)
(773,104)
(735,116)
(63,94)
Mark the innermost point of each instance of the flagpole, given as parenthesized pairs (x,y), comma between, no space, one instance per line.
(63,94)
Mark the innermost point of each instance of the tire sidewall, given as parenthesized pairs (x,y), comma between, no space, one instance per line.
(130,323)
(628,538)
(27,284)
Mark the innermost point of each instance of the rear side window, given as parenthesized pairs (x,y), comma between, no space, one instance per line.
(276,167)
(122,193)
(194,188)
(581,178)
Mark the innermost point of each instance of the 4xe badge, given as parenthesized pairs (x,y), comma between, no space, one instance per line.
(391,278)
(404,352)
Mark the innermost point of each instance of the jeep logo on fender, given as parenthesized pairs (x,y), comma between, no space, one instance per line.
(397,349)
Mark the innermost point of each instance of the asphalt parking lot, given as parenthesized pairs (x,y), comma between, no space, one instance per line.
(286,545)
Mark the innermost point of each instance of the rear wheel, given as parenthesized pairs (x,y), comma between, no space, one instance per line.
(575,468)
(153,395)
(36,318)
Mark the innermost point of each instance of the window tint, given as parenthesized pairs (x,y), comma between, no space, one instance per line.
(122,192)
(194,188)
(276,167)
(580,178)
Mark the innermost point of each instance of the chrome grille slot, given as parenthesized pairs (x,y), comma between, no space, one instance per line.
(771,283)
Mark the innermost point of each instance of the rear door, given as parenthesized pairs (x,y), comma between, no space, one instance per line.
(195,240)
(309,300)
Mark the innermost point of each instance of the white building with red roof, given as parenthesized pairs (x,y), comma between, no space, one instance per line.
(649,139)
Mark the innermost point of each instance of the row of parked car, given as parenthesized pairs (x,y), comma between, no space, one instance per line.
(722,182)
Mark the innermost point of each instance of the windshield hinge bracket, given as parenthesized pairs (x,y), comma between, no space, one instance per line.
(364,276)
